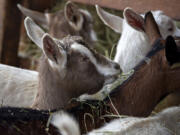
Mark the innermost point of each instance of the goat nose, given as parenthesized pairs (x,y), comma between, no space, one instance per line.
(116,66)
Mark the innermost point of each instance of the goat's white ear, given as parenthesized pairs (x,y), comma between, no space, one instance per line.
(34,32)
(52,51)
(38,17)
(133,19)
(113,21)
(73,16)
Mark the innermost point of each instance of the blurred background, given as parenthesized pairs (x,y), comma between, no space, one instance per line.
(17,50)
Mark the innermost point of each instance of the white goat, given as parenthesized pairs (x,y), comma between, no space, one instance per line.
(166,122)
(134,44)
(18,87)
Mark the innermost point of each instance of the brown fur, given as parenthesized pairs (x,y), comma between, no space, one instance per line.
(150,82)
(58,25)
(139,95)
(79,76)
(151,28)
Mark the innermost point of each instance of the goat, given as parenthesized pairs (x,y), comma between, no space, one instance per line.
(68,68)
(166,122)
(151,80)
(18,86)
(28,121)
(134,44)
(70,21)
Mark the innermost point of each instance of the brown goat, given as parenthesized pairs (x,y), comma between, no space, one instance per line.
(70,21)
(151,81)
(68,68)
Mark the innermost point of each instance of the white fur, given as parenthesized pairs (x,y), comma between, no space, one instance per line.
(86,13)
(18,87)
(166,122)
(66,124)
(134,45)
(77,26)
(113,21)
(165,22)
(103,69)
(36,35)
(93,35)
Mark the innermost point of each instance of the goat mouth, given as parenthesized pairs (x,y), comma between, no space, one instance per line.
(110,79)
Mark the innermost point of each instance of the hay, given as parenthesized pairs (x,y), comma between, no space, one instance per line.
(107,38)
(107,89)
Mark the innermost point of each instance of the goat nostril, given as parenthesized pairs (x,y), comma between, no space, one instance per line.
(116,66)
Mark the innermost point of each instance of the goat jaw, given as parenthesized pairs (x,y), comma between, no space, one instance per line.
(102,94)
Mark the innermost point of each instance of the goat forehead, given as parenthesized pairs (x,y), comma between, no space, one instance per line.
(95,58)
(162,18)
(67,41)
(83,50)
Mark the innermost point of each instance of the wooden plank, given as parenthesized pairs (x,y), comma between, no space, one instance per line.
(11,20)
(170,7)
(1,25)
(41,5)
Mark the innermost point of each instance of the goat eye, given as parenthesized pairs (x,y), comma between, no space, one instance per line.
(84,59)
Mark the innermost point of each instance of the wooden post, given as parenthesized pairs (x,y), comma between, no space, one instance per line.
(1,25)
(170,7)
(10,32)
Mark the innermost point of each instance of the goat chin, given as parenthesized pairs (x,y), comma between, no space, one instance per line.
(166,122)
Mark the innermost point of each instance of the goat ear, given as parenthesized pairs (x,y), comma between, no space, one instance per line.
(34,32)
(52,51)
(151,28)
(50,48)
(113,21)
(73,16)
(172,54)
(133,19)
(38,17)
